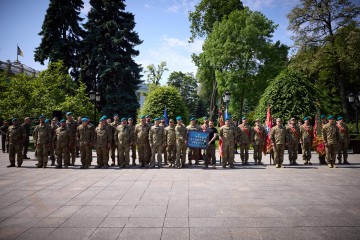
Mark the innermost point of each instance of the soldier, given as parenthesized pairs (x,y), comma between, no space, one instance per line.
(3,129)
(170,142)
(156,140)
(123,139)
(15,136)
(72,125)
(210,150)
(344,140)
(85,140)
(114,125)
(103,140)
(193,152)
(142,141)
(149,120)
(245,134)
(26,126)
(293,132)
(42,139)
(133,145)
(258,141)
(163,124)
(63,140)
(322,160)
(278,136)
(181,141)
(228,134)
(306,139)
(53,126)
(331,139)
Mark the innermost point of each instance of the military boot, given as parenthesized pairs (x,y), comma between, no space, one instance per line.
(339,161)
(330,165)
(306,162)
(346,162)
(232,166)
(277,166)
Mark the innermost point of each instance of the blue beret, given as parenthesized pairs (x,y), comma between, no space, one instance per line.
(330,117)
(14,120)
(101,119)
(87,117)
(228,118)
(322,116)
(116,115)
(84,119)
(142,117)
(69,113)
(243,118)
(178,118)
(62,120)
(192,119)
(156,119)
(104,116)
(42,116)
(306,118)
(46,120)
(123,119)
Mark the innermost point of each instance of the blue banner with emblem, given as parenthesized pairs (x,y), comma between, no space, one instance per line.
(197,139)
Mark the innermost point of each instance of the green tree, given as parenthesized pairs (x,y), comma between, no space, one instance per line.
(163,95)
(108,65)
(61,34)
(154,74)
(315,23)
(290,94)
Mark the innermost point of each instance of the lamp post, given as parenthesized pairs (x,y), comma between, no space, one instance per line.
(355,102)
(226,98)
(94,97)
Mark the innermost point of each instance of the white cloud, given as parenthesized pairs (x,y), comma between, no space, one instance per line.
(148,6)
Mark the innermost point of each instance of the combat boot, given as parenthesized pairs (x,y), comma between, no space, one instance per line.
(333,164)
(232,166)
(346,162)
(330,165)
(11,165)
(53,163)
(295,163)
(278,166)
(306,162)
(224,166)
(339,161)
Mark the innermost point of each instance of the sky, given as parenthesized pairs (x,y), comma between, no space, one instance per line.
(163,26)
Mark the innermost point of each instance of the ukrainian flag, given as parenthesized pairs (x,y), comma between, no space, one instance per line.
(19,52)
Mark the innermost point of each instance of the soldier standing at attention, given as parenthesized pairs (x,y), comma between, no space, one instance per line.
(85,139)
(26,126)
(123,139)
(42,139)
(170,142)
(306,139)
(344,140)
(114,125)
(278,136)
(4,143)
(331,139)
(193,152)
(181,140)
(163,124)
(293,132)
(72,125)
(103,140)
(323,123)
(228,134)
(15,136)
(210,150)
(63,139)
(54,126)
(133,145)
(258,140)
(156,140)
(245,135)
(142,141)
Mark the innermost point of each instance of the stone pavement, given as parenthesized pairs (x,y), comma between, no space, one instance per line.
(253,202)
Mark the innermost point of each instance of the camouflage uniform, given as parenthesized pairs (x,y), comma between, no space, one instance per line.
(228,134)
(293,133)
(72,125)
(331,139)
(156,140)
(181,138)
(15,136)
(259,140)
(164,151)
(114,125)
(52,145)
(170,141)
(278,136)
(133,145)
(123,138)
(42,139)
(193,152)
(142,142)
(245,133)
(344,140)
(85,138)
(306,137)
(63,139)
(103,139)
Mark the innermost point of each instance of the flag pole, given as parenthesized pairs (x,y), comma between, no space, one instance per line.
(17,55)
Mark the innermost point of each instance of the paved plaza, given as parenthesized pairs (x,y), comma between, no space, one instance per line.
(252,202)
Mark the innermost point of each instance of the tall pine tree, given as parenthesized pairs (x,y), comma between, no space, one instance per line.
(108,66)
(61,34)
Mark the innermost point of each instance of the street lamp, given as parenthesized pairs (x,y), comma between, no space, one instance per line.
(94,97)
(354,100)
(226,98)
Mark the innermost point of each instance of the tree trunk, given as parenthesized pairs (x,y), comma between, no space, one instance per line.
(212,107)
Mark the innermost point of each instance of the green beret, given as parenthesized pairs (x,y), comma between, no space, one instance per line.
(142,117)
(243,118)
(130,118)
(205,118)
(84,119)
(62,120)
(69,113)
(147,116)
(322,116)
(339,118)
(116,115)
(178,118)
(123,119)
(104,116)
(192,119)
(228,118)
(306,118)
(156,119)
(15,120)
(330,117)
(41,116)
(47,120)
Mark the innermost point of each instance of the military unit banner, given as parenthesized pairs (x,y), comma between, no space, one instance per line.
(197,139)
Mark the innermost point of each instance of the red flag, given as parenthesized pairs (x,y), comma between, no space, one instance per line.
(268,123)
(318,142)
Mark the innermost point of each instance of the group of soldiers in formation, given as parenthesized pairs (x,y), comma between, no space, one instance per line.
(152,139)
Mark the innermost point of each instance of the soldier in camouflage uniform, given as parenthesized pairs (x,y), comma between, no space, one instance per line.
(103,140)
(258,140)
(156,140)
(63,140)
(278,136)
(193,152)
(42,139)
(53,126)
(306,139)
(245,134)
(170,142)
(72,125)
(293,132)
(114,125)
(85,139)
(123,139)
(163,124)
(344,140)
(331,139)
(133,145)
(142,141)
(181,140)
(228,134)
(15,137)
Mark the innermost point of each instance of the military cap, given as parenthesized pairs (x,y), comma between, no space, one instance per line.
(147,116)
(142,117)
(123,119)
(47,120)
(87,117)
(244,118)
(171,120)
(84,119)
(205,118)
(42,116)
(104,116)
(14,120)
(322,116)
(178,118)
(116,115)
(54,119)
(339,118)
(69,113)
(62,120)
(156,119)
(292,119)
(192,119)
(330,117)
(102,119)
(227,118)
(306,118)
(130,118)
